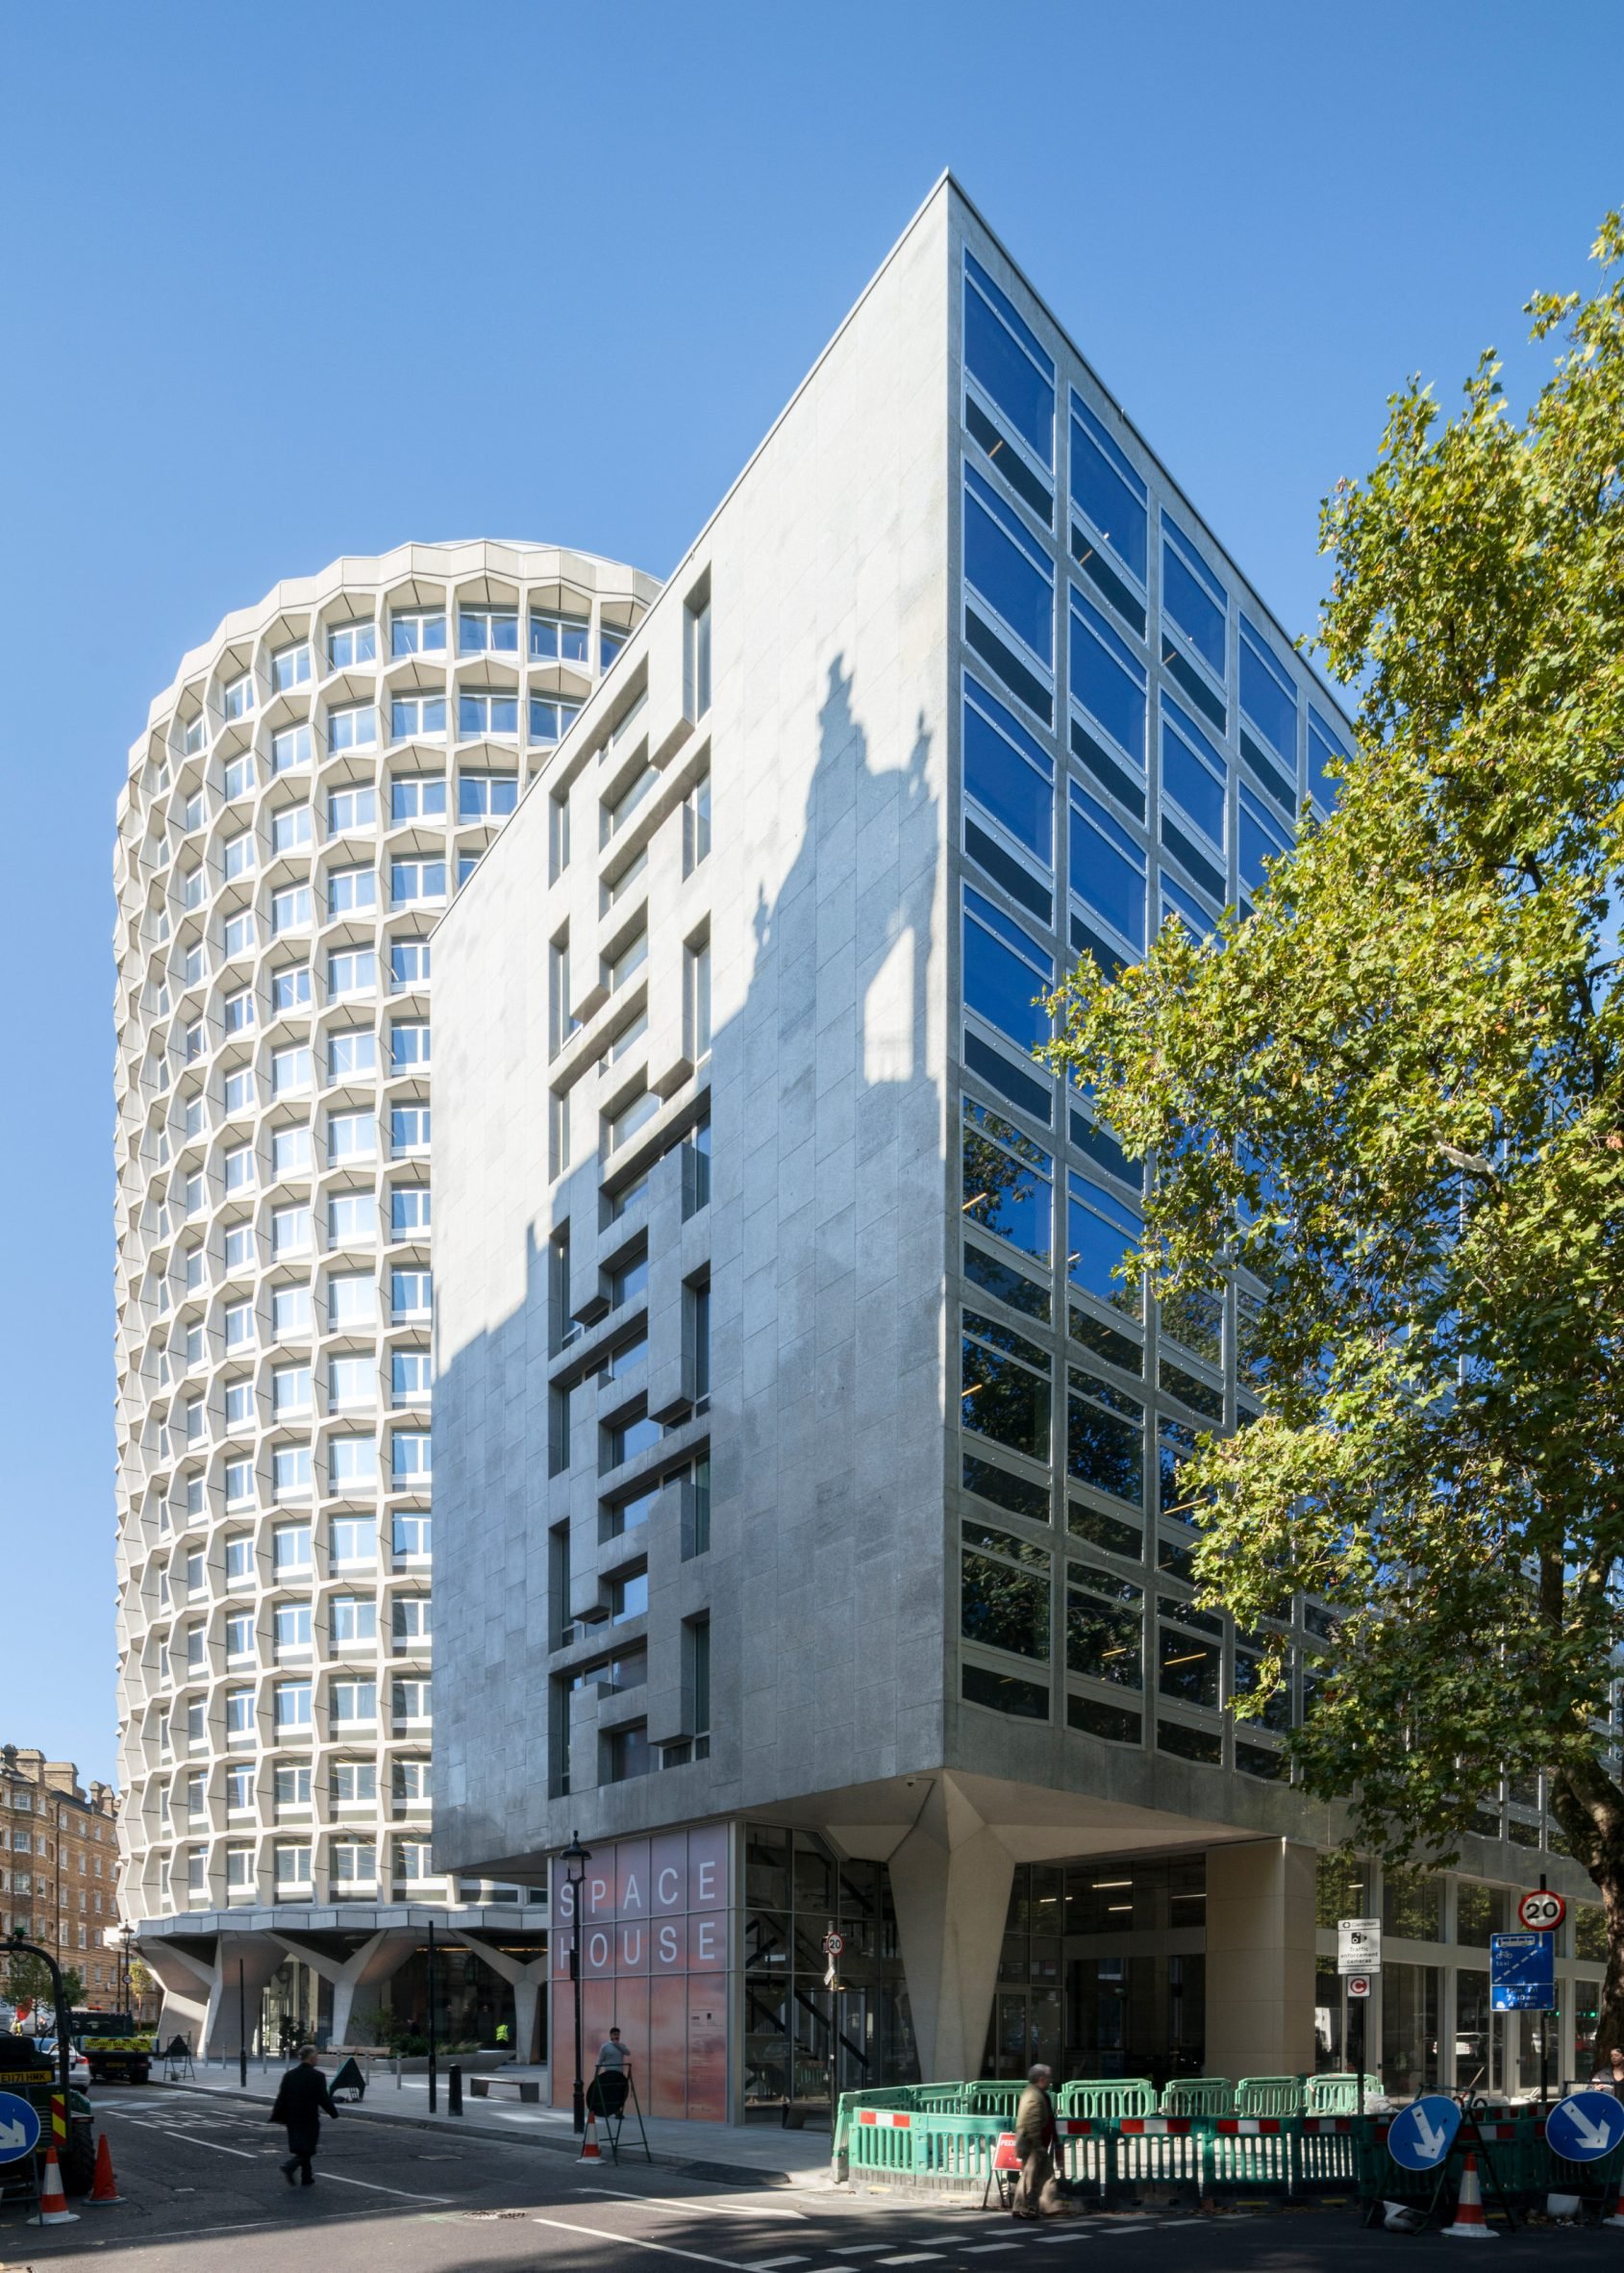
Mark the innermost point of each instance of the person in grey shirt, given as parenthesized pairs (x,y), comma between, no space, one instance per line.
(612,2053)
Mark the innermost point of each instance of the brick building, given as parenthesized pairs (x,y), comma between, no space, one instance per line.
(59,1872)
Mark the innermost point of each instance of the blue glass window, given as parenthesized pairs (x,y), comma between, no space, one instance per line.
(1009,567)
(1194,599)
(1100,1230)
(1324,745)
(1268,697)
(1008,1180)
(1176,901)
(1108,868)
(1107,678)
(1008,774)
(1004,969)
(1003,1391)
(1005,355)
(1261,839)
(1105,1450)
(1106,488)
(1193,773)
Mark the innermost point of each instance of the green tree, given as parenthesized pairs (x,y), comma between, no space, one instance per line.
(1392,1097)
(28,1980)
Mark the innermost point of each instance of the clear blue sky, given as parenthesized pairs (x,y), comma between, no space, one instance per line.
(276,284)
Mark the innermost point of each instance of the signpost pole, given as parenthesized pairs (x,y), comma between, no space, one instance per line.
(241,2027)
(1544,2042)
(1360,2005)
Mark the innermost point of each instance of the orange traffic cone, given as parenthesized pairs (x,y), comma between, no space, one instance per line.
(1617,2217)
(53,2202)
(106,2187)
(589,2144)
(1470,2224)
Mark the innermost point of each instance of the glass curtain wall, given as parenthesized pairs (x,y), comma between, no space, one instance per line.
(803,2038)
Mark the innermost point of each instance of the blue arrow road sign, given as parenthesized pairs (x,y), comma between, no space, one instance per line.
(1522,1973)
(1585,2127)
(1423,2133)
(20,2128)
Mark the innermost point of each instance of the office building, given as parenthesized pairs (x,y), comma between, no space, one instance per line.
(809,1489)
(309,791)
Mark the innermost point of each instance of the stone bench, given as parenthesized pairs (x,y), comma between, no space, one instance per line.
(528,2087)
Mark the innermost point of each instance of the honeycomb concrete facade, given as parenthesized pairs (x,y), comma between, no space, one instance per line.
(308,794)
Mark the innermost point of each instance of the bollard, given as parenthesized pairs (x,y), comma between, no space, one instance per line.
(454,2098)
(397,2071)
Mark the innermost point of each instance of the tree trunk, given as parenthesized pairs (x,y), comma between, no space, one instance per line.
(1589,1807)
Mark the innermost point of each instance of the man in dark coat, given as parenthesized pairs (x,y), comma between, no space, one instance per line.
(300,2104)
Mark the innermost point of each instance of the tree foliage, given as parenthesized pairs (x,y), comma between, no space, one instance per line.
(1393,1096)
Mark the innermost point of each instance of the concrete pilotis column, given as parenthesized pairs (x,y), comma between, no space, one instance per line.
(524,1977)
(378,1957)
(950,1880)
(187,1982)
(527,1999)
(1259,1958)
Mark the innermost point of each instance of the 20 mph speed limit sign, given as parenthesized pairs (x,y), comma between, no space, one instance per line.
(1541,1913)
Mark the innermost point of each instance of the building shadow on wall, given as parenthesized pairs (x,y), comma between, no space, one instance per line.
(826,1126)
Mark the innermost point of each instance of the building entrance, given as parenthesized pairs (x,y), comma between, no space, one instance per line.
(1102,1970)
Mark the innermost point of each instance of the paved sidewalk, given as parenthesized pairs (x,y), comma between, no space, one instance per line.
(763,2151)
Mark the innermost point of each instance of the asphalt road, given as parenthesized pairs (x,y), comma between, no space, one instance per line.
(203,2193)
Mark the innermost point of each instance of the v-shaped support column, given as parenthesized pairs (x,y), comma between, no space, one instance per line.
(950,1880)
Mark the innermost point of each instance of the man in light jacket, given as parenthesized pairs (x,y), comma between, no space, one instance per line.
(1035,2144)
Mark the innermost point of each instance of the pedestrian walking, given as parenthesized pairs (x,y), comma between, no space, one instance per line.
(1035,2144)
(301,2102)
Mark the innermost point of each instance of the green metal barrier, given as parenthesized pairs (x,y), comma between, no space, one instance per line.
(1247,2154)
(882,2141)
(1110,2098)
(1269,2095)
(941,2099)
(1327,2150)
(889,2095)
(1332,2095)
(1198,2096)
(992,2099)
(1549,2173)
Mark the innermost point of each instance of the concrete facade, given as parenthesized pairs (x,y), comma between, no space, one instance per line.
(310,790)
(801,1462)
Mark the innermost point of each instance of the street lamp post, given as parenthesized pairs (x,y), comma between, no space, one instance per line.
(575,1858)
(434,2072)
(126,1937)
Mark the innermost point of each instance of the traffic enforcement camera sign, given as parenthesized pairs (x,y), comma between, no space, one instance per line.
(1541,1911)
(1359,1945)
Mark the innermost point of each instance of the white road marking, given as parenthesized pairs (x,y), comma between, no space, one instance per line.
(770,2264)
(337,2179)
(665,2249)
(979,2249)
(715,2209)
(170,2131)
(916,2257)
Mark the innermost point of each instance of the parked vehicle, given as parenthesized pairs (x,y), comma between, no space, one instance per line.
(29,2074)
(115,2048)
